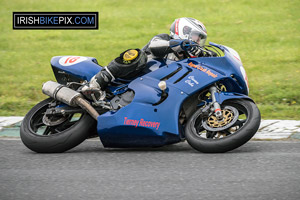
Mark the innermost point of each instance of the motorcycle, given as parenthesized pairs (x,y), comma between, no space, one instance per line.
(203,100)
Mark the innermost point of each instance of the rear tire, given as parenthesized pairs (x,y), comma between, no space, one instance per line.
(68,136)
(231,141)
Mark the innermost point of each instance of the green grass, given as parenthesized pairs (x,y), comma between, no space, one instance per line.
(265,33)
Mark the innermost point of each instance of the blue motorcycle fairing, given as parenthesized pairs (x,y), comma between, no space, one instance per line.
(142,122)
(126,127)
(235,61)
(226,67)
(154,64)
(223,96)
(84,70)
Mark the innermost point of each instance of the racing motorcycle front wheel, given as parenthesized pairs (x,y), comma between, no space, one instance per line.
(208,134)
(54,134)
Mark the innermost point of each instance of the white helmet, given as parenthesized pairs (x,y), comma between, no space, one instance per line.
(189,28)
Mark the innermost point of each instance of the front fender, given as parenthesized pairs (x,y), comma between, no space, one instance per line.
(223,96)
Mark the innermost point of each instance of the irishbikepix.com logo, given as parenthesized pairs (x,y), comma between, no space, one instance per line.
(55,20)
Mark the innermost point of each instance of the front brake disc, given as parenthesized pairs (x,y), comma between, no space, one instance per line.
(230,116)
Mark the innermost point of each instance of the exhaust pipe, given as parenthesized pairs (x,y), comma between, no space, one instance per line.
(68,96)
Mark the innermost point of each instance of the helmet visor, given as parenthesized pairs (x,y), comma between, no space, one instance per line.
(198,37)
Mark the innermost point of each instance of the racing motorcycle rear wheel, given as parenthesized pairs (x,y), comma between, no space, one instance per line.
(54,134)
(241,120)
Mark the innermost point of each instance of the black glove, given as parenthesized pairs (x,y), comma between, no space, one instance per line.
(195,51)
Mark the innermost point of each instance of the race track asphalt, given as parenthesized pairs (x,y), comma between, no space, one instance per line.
(257,170)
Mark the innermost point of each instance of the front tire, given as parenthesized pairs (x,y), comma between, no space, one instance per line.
(208,141)
(54,139)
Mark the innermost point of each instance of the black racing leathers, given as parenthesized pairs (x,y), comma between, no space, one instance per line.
(118,68)
(160,47)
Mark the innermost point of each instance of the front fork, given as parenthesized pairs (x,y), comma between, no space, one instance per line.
(215,106)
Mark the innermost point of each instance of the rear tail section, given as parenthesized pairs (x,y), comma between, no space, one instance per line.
(74,68)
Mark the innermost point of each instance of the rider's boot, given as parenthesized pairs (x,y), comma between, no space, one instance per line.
(128,65)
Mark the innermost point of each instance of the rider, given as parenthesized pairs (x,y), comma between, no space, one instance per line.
(176,46)
(182,32)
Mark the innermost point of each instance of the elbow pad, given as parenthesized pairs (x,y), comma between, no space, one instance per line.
(159,47)
(175,45)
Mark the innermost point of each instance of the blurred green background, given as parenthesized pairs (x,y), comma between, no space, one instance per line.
(264,32)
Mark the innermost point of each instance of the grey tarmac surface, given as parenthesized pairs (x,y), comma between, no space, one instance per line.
(258,170)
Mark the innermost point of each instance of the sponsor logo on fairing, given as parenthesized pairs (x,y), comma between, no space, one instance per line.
(203,69)
(141,123)
(192,81)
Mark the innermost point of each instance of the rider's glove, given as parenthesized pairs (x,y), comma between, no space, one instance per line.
(195,51)
(191,47)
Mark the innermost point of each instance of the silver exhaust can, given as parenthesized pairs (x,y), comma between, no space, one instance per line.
(61,93)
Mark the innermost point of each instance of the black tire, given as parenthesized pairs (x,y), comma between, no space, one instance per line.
(231,141)
(70,136)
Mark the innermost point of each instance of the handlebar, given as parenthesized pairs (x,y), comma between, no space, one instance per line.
(187,45)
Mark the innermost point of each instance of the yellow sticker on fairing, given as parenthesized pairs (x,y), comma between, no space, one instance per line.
(130,55)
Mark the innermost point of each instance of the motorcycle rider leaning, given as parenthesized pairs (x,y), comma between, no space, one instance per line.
(177,46)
